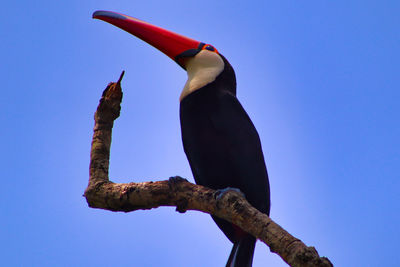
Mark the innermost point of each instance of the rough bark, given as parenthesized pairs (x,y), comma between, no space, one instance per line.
(103,194)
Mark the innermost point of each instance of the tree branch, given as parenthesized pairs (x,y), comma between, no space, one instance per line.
(232,206)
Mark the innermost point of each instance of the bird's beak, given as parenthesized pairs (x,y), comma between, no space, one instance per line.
(172,44)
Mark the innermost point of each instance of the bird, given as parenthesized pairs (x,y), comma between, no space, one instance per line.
(220,141)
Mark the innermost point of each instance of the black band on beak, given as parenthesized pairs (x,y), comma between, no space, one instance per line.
(188,53)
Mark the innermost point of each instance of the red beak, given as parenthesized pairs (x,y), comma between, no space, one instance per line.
(172,44)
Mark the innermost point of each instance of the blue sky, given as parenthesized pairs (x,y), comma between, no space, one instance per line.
(320,80)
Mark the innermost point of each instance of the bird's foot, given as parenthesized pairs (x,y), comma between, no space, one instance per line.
(220,193)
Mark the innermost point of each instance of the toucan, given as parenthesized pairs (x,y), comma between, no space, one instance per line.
(219,139)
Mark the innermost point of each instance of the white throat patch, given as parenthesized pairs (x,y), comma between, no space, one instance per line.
(202,69)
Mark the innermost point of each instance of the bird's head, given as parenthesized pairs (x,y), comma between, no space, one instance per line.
(202,61)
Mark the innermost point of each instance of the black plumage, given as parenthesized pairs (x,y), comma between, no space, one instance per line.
(224,150)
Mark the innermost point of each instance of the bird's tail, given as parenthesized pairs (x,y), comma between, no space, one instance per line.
(242,252)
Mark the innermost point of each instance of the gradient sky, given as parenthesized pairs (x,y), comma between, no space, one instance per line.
(320,80)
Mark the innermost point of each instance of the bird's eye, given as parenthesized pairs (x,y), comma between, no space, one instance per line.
(210,48)
(203,46)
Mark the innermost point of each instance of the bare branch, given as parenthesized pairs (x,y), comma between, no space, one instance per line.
(178,192)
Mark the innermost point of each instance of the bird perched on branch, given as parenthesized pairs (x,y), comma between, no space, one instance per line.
(220,141)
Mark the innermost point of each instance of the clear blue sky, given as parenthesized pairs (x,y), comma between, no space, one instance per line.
(320,80)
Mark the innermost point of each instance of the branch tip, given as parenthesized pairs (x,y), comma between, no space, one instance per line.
(121,76)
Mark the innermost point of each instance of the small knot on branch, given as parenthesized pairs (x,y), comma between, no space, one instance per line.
(173,184)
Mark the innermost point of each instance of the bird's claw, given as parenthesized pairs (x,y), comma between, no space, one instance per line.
(221,192)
